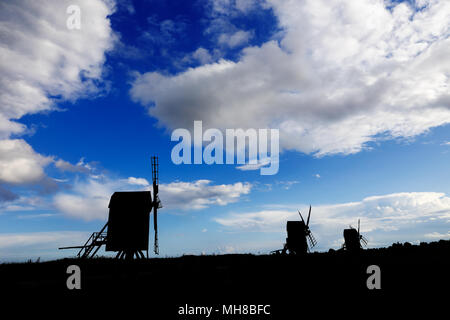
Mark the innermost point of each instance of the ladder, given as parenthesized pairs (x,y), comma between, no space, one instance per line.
(93,244)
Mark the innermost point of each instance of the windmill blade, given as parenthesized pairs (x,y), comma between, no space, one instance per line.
(307,231)
(301,216)
(358,226)
(309,215)
(155,223)
(364,240)
(312,240)
(156,201)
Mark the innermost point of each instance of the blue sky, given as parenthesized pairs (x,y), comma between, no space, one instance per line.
(358,91)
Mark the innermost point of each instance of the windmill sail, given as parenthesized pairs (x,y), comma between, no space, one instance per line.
(156,202)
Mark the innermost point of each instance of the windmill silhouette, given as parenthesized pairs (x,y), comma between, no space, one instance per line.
(299,237)
(353,240)
(127,229)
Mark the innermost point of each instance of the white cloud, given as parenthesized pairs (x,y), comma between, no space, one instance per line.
(67,166)
(235,39)
(250,167)
(32,238)
(437,235)
(202,55)
(232,7)
(23,203)
(401,215)
(89,199)
(41,57)
(246,5)
(343,74)
(200,194)
(264,220)
(19,163)
(24,246)
(138,181)
(36,216)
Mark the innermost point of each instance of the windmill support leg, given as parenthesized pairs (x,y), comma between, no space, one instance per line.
(129,255)
(95,252)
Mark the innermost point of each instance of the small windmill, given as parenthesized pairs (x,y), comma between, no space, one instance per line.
(353,240)
(298,236)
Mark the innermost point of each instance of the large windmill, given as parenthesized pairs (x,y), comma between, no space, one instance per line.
(127,229)
(299,237)
(354,241)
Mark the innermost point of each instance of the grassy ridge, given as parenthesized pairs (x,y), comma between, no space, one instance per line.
(242,278)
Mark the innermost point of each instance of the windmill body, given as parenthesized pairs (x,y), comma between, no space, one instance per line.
(296,237)
(353,240)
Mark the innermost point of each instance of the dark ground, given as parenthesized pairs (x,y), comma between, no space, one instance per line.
(323,282)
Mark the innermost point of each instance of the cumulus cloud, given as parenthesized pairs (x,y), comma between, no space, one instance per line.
(399,215)
(89,199)
(344,74)
(201,194)
(138,181)
(44,62)
(42,58)
(19,163)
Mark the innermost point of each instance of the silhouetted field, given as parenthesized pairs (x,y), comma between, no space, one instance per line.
(285,282)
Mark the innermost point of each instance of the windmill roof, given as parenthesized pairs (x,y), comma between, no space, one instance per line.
(137,199)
